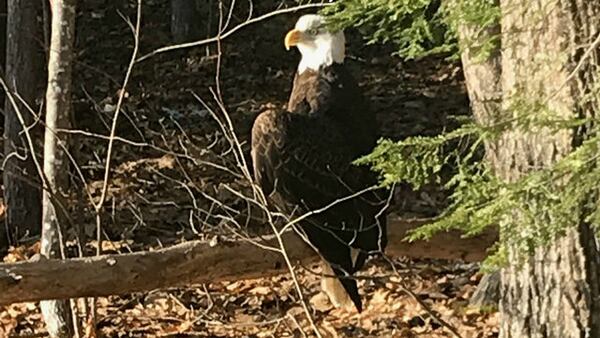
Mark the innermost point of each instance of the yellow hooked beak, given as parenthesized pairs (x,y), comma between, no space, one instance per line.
(292,38)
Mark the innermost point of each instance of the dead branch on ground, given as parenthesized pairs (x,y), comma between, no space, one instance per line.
(198,262)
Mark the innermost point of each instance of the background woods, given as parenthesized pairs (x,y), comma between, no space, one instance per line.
(23,75)
(133,168)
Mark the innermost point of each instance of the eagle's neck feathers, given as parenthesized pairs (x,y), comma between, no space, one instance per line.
(318,59)
(325,51)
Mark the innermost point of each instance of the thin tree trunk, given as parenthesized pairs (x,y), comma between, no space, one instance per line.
(3,35)
(22,194)
(555,293)
(58,103)
(3,15)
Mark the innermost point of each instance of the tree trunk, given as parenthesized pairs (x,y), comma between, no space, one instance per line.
(24,60)
(185,20)
(484,86)
(3,17)
(487,294)
(555,292)
(4,234)
(58,102)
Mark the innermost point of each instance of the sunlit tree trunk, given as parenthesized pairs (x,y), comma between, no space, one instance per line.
(24,60)
(483,70)
(555,293)
(56,313)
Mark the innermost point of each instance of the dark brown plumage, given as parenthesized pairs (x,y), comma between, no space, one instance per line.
(303,161)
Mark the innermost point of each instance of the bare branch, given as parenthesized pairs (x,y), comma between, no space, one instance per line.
(225,35)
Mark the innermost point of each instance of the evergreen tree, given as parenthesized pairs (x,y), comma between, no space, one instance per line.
(532,73)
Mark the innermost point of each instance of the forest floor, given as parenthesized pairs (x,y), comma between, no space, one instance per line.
(169,185)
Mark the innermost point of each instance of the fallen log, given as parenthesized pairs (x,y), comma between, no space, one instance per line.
(200,262)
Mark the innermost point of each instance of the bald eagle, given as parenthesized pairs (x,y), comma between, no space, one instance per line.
(303,158)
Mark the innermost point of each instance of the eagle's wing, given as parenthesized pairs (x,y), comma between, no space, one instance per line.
(266,136)
(305,160)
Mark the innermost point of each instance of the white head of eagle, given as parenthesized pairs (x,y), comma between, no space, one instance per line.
(318,46)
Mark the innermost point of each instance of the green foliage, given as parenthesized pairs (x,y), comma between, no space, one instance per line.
(530,210)
(482,14)
(417,27)
(416,160)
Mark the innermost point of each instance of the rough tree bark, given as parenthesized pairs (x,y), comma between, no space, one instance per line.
(555,293)
(58,103)
(483,80)
(24,60)
(197,262)
(185,20)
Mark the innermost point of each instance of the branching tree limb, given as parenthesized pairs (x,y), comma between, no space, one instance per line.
(225,34)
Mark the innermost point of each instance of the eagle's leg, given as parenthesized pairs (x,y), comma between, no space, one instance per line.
(343,293)
(334,289)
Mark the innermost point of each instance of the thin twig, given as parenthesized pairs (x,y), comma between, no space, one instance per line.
(580,64)
(422,304)
(98,206)
(111,140)
(229,132)
(231,31)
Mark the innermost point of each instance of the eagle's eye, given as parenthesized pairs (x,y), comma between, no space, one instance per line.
(313,31)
